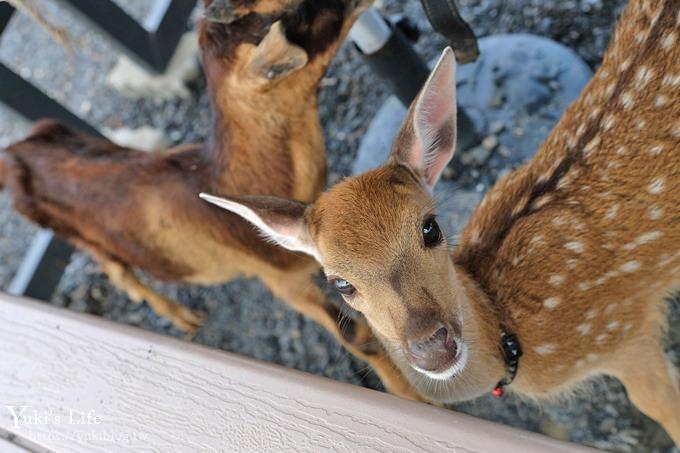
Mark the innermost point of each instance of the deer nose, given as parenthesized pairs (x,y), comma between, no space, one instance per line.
(435,351)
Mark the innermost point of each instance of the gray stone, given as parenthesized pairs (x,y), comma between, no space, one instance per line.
(475,156)
(490,143)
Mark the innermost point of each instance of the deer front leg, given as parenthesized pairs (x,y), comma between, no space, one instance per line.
(301,293)
(123,278)
(652,386)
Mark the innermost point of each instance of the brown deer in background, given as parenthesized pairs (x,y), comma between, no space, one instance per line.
(567,259)
(132,209)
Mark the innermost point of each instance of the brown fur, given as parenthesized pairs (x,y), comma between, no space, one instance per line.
(574,252)
(134,209)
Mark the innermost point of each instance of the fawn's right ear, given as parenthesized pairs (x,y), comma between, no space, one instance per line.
(278,220)
(275,57)
(427,138)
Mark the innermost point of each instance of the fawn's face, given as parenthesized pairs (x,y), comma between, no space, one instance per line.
(378,240)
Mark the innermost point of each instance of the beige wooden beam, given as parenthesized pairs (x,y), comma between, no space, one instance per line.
(83,384)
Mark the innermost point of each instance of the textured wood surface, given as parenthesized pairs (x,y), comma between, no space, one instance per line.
(7,447)
(152,393)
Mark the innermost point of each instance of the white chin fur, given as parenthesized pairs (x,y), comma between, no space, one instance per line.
(457,367)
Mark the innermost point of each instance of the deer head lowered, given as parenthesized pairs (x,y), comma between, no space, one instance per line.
(571,254)
(263,71)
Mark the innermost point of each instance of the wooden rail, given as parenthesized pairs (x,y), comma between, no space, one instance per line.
(84,384)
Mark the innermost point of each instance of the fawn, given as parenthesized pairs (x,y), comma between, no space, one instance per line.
(132,209)
(566,261)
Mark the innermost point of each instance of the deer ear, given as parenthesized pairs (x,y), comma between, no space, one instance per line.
(427,138)
(276,57)
(279,220)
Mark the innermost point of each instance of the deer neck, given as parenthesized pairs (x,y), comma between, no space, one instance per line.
(535,245)
(268,143)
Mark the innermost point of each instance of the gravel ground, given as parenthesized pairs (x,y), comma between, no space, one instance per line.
(264,328)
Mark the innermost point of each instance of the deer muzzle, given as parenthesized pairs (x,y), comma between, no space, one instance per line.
(435,352)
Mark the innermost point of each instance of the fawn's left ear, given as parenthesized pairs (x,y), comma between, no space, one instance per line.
(427,138)
(278,220)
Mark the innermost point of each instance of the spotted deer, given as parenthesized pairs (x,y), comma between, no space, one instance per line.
(562,271)
(135,210)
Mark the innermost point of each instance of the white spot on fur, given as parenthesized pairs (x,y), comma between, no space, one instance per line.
(601,338)
(551,302)
(625,64)
(474,237)
(610,89)
(611,274)
(660,101)
(656,150)
(521,205)
(590,314)
(571,142)
(594,113)
(627,327)
(655,213)
(608,246)
(668,40)
(545,349)
(584,328)
(671,80)
(627,100)
(580,130)
(643,239)
(541,201)
(608,122)
(611,212)
(643,76)
(559,221)
(641,124)
(567,179)
(571,263)
(591,357)
(591,146)
(648,237)
(621,150)
(630,266)
(556,280)
(664,260)
(610,308)
(544,177)
(640,36)
(656,186)
(613,325)
(574,246)
(579,364)
(584,286)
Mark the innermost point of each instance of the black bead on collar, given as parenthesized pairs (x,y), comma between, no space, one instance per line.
(512,351)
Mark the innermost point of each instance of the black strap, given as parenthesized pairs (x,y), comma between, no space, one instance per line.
(446,20)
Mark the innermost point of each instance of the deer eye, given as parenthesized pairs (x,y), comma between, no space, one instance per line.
(344,287)
(432,235)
